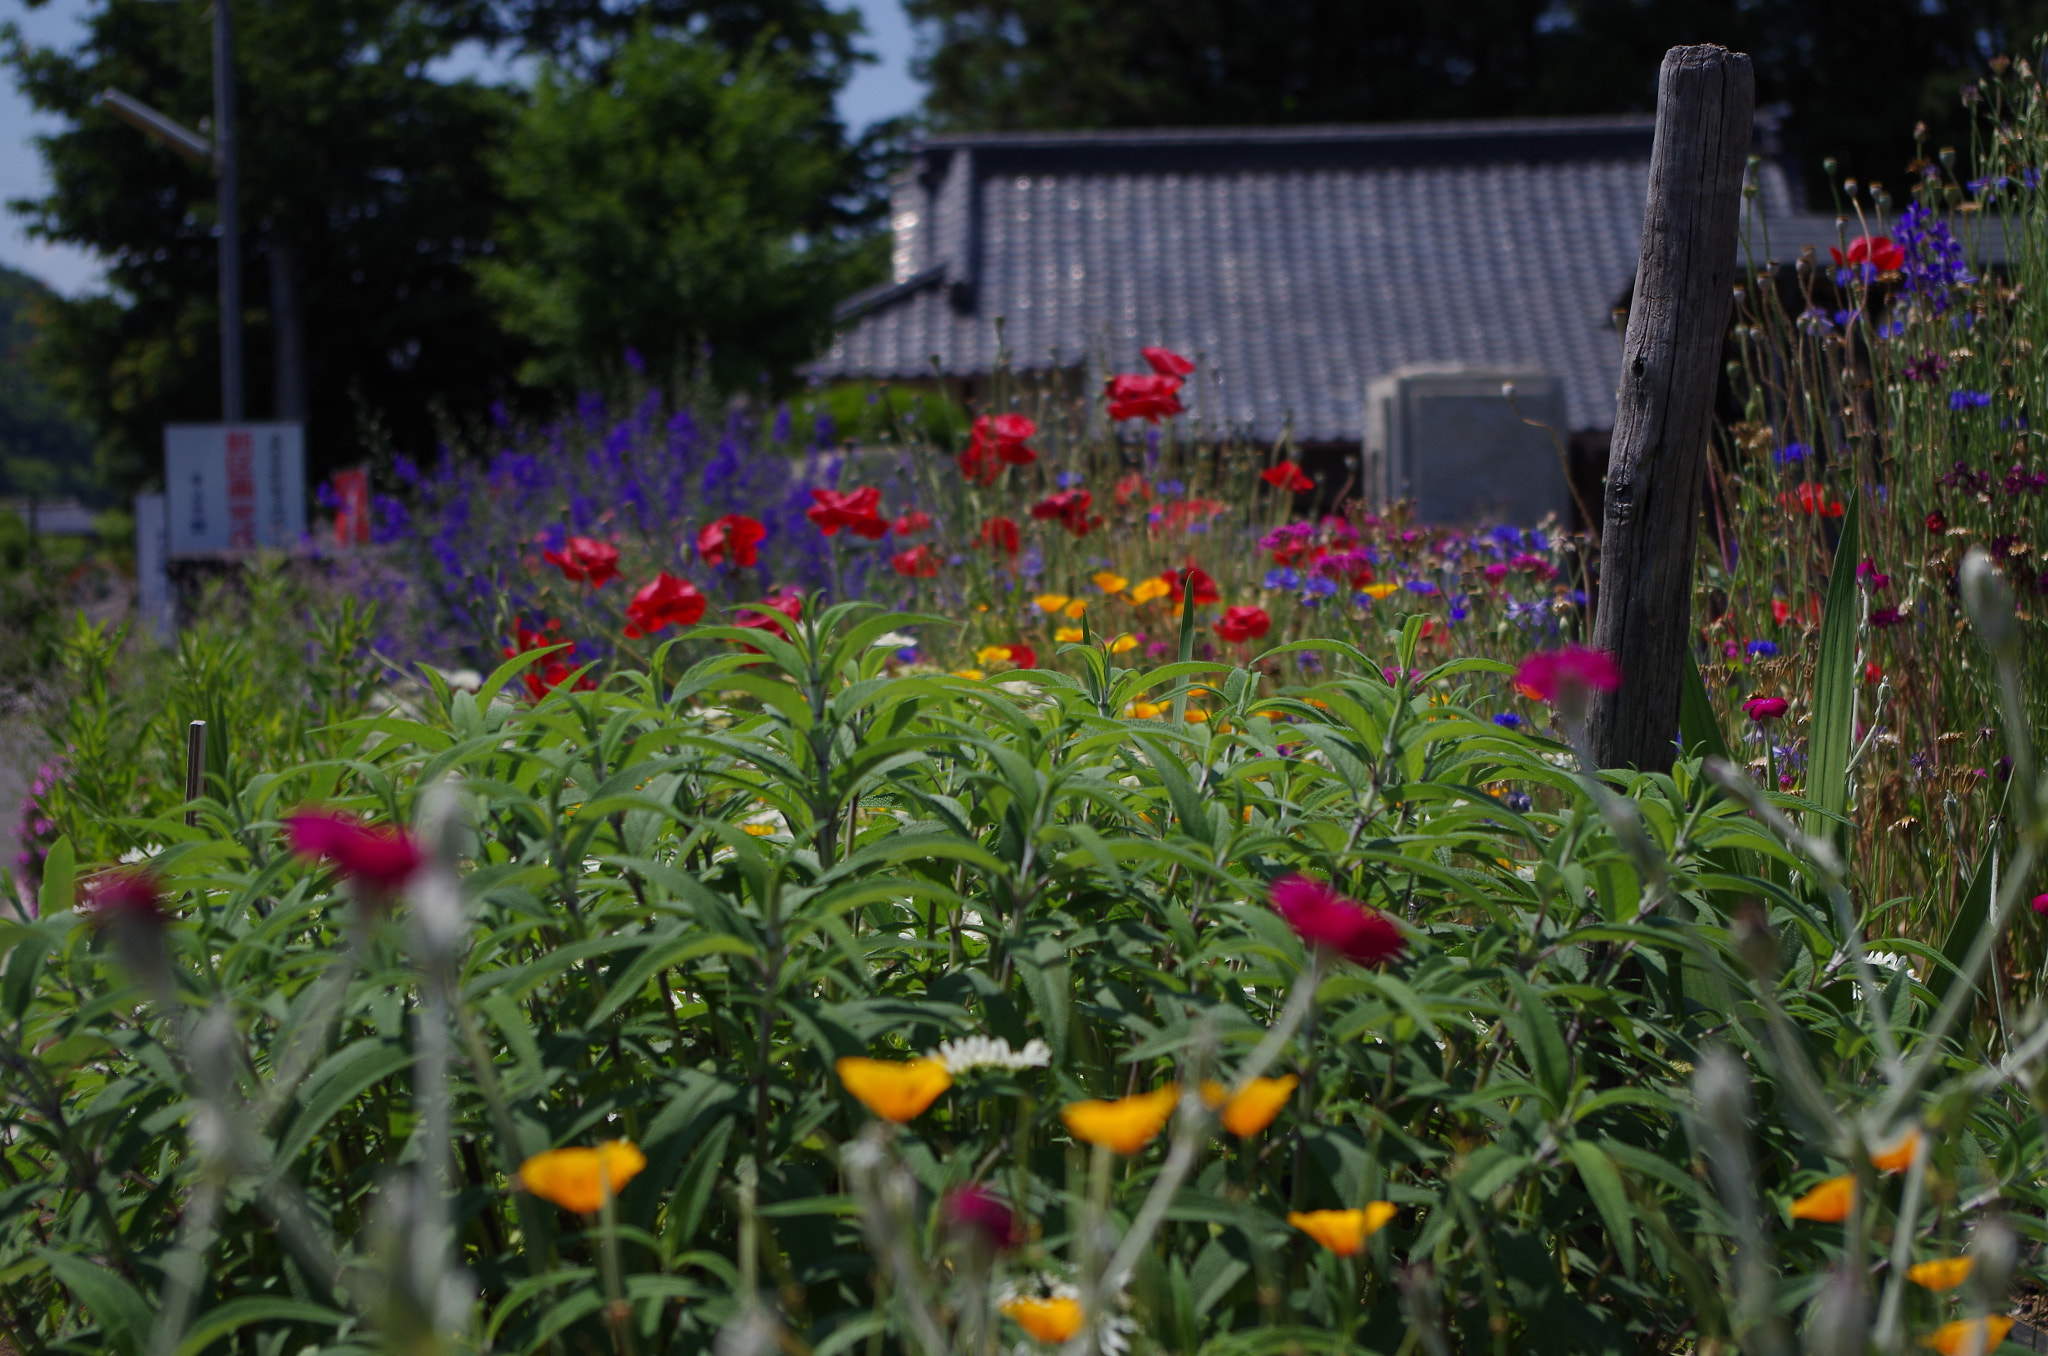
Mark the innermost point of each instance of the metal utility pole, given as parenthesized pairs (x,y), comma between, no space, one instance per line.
(229,208)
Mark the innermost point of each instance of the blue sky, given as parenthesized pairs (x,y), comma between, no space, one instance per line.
(878,91)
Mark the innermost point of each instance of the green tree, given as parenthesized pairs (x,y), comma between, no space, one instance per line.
(1854,75)
(679,206)
(43,450)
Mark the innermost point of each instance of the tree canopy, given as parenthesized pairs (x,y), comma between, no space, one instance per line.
(1854,75)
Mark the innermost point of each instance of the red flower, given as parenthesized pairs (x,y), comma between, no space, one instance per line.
(769,615)
(855,510)
(1872,674)
(1781,611)
(380,860)
(910,522)
(1023,656)
(1196,578)
(1137,396)
(1070,509)
(1000,534)
(1166,362)
(1534,566)
(1287,476)
(1810,500)
(735,532)
(1323,918)
(916,563)
(1131,486)
(1566,678)
(551,672)
(586,560)
(1762,709)
(1240,624)
(997,439)
(975,1213)
(668,601)
(123,895)
(1876,250)
(1936,523)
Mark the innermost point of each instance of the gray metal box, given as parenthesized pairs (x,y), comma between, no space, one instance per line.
(1445,438)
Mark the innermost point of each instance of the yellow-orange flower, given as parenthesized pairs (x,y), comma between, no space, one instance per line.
(1252,1107)
(1945,1274)
(1378,591)
(975,674)
(1051,1321)
(1899,1156)
(1343,1231)
(993,654)
(1109,581)
(1069,635)
(1197,716)
(1148,589)
(1829,1202)
(1968,1335)
(1075,608)
(1145,710)
(1123,643)
(577,1179)
(895,1090)
(1050,602)
(1126,1125)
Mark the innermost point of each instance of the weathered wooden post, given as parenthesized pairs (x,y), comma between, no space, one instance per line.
(1671,360)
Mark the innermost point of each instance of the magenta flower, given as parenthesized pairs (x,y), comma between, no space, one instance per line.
(975,1213)
(380,860)
(130,896)
(1322,917)
(2041,903)
(1552,674)
(1763,709)
(1886,616)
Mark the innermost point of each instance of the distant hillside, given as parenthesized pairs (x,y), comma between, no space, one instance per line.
(43,450)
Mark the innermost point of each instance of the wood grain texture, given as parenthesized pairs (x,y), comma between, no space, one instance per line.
(1671,357)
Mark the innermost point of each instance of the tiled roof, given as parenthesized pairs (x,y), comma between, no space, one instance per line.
(1294,264)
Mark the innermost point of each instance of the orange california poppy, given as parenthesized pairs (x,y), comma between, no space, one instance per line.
(1829,1202)
(1252,1107)
(1969,1336)
(1126,1125)
(1945,1274)
(1898,1156)
(1343,1231)
(577,1179)
(895,1090)
(1051,1321)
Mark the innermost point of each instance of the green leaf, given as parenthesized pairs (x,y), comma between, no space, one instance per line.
(1610,1197)
(237,1314)
(59,870)
(119,1308)
(1834,688)
(1699,730)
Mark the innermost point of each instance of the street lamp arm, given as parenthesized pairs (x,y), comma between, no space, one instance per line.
(148,121)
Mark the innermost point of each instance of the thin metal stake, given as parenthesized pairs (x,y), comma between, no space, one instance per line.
(195,769)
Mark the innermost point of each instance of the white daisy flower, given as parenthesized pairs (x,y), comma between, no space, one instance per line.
(990,1052)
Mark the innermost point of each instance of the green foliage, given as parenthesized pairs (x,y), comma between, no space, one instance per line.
(43,450)
(661,912)
(678,205)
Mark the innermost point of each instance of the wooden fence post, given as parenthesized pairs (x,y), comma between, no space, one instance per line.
(1664,409)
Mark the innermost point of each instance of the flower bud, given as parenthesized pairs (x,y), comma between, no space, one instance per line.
(1838,1324)
(1993,1251)
(1988,600)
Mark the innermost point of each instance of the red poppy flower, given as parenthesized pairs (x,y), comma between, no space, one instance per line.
(916,563)
(1287,476)
(1240,624)
(1937,523)
(1876,250)
(997,440)
(854,510)
(1166,362)
(550,673)
(1196,578)
(1810,500)
(1766,709)
(586,560)
(783,603)
(668,601)
(123,895)
(1872,673)
(910,522)
(1000,534)
(1323,918)
(1566,678)
(1781,611)
(1131,486)
(1069,508)
(379,859)
(1139,396)
(736,534)
(1023,656)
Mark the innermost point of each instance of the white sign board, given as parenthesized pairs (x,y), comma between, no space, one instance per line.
(234,487)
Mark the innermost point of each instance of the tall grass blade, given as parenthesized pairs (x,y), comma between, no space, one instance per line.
(1834,688)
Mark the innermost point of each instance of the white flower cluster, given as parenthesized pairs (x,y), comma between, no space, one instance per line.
(990,1052)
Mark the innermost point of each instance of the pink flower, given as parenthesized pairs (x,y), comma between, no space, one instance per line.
(380,860)
(124,895)
(1322,917)
(2041,903)
(1166,362)
(1566,678)
(1762,709)
(979,1215)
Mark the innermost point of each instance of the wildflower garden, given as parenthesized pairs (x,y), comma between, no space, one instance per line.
(1057,877)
